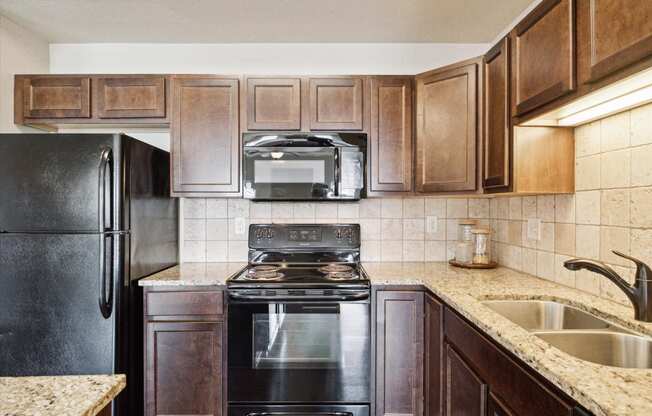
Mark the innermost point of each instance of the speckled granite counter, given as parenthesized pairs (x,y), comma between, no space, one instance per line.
(58,395)
(193,274)
(603,390)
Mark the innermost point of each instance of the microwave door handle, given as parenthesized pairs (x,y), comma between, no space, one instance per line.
(338,170)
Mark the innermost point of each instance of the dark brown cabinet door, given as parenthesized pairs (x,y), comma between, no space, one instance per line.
(183,374)
(205,135)
(56,97)
(131,97)
(495,407)
(390,140)
(399,354)
(273,103)
(434,338)
(335,103)
(496,118)
(447,125)
(465,393)
(617,33)
(544,55)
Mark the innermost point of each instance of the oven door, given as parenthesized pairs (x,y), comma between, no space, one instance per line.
(324,410)
(290,173)
(299,353)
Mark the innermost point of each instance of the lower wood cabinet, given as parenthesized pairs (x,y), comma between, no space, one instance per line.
(399,353)
(464,392)
(185,353)
(434,336)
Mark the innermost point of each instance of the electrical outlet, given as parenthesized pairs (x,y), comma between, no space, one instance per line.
(534,229)
(240,226)
(432,224)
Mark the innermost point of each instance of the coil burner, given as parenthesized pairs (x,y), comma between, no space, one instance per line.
(264,273)
(335,268)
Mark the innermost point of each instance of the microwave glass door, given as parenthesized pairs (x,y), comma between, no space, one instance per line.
(296,173)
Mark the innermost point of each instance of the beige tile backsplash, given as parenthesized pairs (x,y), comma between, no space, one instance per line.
(611,210)
(393,229)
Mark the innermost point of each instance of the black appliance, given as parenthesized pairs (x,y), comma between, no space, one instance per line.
(304,166)
(82,218)
(302,312)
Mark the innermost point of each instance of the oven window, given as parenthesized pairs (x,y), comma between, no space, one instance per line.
(288,338)
(289,171)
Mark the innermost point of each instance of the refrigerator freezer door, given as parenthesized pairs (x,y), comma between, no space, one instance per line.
(53,182)
(50,317)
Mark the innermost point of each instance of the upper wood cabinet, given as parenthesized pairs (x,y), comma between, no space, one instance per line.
(496,119)
(205,136)
(447,128)
(399,353)
(131,97)
(53,97)
(613,34)
(273,103)
(91,99)
(544,55)
(390,135)
(336,103)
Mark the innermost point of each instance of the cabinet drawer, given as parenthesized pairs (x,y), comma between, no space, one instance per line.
(184,303)
(507,378)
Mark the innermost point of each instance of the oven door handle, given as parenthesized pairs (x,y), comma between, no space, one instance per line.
(299,413)
(279,299)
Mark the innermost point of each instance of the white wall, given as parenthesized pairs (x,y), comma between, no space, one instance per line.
(21,52)
(257,58)
(248,58)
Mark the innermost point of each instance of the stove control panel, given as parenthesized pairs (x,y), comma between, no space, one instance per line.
(289,236)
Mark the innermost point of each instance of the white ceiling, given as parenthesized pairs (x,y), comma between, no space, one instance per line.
(224,21)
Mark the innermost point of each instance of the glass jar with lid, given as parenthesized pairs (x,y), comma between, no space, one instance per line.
(464,247)
(481,239)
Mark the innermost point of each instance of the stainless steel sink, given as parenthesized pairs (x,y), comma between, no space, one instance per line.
(535,315)
(603,347)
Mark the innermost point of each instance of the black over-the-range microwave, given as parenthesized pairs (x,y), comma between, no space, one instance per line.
(304,166)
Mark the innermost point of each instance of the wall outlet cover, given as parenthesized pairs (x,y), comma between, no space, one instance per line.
(240,226)
(432,224)
(534,229)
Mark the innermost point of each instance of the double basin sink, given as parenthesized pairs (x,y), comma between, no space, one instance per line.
(578,333)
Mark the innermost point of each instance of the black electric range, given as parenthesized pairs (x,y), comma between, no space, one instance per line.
(299,323)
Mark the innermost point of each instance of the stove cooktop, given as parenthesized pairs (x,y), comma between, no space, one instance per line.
(300,275)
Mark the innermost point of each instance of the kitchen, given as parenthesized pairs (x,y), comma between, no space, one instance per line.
(207,216)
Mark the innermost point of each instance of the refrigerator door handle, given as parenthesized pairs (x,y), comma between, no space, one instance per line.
(105,163)
(105,301)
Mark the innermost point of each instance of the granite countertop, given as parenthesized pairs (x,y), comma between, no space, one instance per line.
(193,274)
(58,395)
(602,390)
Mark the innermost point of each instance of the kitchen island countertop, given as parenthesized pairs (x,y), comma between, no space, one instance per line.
(601,389)
(58,395)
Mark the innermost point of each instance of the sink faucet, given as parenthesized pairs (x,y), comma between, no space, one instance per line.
(640,294)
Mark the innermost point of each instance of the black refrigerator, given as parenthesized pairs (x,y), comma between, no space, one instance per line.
(82,218)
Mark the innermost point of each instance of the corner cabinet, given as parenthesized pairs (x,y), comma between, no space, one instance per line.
(185,355)
(447,128)
(205,136)
(399,353)
(496,119)
(390,136)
